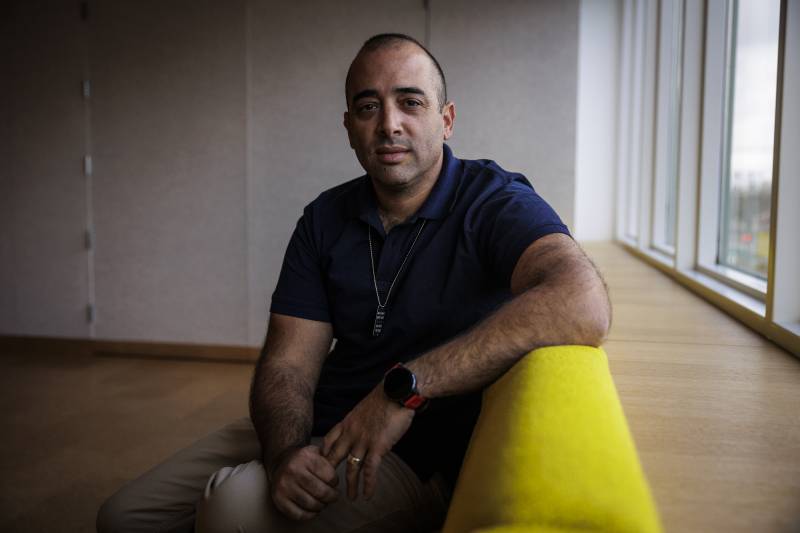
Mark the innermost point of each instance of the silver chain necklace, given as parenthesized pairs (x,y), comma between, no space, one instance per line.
(380,312)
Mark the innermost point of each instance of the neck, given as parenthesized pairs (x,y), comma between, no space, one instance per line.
(395,210)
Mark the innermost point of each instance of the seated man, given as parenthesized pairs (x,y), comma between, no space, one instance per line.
(434,275)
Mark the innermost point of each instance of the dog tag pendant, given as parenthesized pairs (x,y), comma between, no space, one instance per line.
(380,314)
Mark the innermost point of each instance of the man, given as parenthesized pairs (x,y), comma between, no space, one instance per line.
(434,275)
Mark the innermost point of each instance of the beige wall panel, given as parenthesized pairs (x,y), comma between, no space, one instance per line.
(213,124)
(42,192)
(511,68)
(169,175)
(299,54)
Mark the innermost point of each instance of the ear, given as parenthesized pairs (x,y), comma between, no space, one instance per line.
(346,124)
(449,118)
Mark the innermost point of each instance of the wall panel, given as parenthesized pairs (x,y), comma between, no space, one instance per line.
(168,130)
(298,57)
(43,286)
(211,125)
(511,67)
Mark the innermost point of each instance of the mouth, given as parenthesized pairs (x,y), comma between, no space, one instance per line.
(391,154)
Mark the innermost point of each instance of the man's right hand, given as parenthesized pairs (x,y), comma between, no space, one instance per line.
(302,483)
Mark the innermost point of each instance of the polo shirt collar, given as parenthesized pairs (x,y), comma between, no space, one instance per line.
(443,195)
(436,206)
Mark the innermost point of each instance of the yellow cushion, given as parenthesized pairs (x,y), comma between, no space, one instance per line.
(529,529)
(552,452)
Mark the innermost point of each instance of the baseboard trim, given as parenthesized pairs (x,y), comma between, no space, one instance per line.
(139,349)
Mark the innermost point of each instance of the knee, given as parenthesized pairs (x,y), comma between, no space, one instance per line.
(235,499)
(112,515)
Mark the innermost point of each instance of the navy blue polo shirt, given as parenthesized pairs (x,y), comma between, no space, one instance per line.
(478,219)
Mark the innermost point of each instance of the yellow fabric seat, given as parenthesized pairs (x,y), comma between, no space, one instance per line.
(552,453)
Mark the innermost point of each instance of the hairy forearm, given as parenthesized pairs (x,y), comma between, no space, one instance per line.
(281,408)
(285,377)
(568,307)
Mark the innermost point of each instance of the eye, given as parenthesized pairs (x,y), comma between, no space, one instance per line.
(366,107)
(413,103)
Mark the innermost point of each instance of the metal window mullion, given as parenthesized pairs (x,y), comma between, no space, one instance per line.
(650,68)
(689,155)
(623,121)
(661,118)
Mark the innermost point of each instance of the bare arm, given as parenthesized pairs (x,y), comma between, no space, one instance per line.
(283,385)
(559,299)
(281,408)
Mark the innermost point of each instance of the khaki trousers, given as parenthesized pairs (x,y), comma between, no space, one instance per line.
(218,485)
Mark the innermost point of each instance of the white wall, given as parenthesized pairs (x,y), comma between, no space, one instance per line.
(168,187)
(297,144)
(211,125)
(596,119)
(511,69)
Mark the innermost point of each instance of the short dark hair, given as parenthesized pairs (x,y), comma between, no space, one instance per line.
(383,40)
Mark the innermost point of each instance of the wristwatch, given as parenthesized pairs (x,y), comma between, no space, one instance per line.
(400,385)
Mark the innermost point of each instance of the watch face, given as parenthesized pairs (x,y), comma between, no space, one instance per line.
(398,383)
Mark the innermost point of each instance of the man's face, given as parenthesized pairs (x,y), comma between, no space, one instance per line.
(394,119)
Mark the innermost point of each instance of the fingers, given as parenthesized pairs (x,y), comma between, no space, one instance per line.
(320,482)
(323,470)
(332,436)
(291,497)
(304,484)
(321,492)
(370,473)
(291,509)
(338,451)
(336,447)
(306,501)
(354,471)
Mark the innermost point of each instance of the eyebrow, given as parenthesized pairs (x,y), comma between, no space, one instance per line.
(368,93)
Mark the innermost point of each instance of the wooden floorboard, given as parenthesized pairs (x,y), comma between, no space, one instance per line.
(713,407)
(77,427)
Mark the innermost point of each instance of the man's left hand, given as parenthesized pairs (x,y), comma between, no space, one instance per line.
(368,432)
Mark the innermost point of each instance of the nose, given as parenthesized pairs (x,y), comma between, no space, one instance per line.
(389,124)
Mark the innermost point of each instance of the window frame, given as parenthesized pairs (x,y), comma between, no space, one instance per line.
(771,307)
(783,302)
(668,124)
(715,174)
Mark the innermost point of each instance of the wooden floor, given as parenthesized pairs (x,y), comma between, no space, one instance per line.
(713,407)
(714,410)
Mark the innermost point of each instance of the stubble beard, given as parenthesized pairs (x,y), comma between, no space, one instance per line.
(402,179)
(395,178)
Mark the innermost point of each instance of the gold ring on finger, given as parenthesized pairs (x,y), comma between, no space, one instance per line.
(353,460)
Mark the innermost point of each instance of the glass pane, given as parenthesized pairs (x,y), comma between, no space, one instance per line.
(668,125)
(747,181)
(636,117)
(674,124)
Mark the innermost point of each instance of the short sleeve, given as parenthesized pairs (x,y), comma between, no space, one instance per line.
(301,290)
(509,221)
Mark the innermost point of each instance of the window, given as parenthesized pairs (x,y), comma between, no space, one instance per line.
(739,107)
(633,69)
(670,52)
(745,198)
(707,157)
